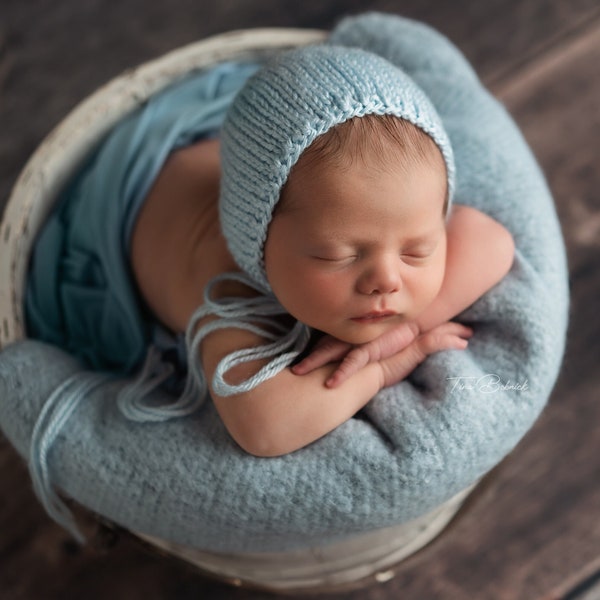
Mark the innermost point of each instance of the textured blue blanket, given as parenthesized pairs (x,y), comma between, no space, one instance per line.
(416,443)
(80,294)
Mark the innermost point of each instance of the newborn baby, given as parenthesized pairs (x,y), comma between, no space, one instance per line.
(331,191)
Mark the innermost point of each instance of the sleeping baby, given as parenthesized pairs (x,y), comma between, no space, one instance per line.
(322,209)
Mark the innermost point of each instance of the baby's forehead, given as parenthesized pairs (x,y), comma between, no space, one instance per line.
(368,163)
(320,185)
(378,141)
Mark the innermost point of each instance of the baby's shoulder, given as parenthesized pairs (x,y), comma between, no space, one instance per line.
(176,232)
(195,169)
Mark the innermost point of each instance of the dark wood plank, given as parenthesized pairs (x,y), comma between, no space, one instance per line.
(533,530)
(45,70)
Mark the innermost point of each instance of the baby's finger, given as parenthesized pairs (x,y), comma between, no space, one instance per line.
(353,362)
(392,341)
(453,328)
(398,367)
(329,349)
(461,331)
(436,341)
(386,345)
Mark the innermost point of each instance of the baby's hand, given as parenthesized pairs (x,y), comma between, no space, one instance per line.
(447,336)
(354,358)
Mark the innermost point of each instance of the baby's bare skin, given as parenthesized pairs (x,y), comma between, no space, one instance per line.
(177,246)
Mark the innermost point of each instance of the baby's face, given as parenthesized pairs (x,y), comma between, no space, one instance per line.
(356,251)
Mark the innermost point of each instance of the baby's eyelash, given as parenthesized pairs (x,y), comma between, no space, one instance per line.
(414,259)
(336,259)
(418,252)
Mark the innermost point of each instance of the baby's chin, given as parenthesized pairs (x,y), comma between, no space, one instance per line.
(363,333)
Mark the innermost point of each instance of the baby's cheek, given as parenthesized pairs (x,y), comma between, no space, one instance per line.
(323,295)
(429,284)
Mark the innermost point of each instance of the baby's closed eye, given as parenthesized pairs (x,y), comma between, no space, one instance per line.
(332,258)
(336,261)
(419,252)
(333,253)
(416,255)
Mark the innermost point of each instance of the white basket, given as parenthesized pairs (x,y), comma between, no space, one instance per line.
(363,558)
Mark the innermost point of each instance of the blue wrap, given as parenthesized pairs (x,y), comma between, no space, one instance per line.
(81,296)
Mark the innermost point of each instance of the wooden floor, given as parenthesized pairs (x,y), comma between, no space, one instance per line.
(533,530)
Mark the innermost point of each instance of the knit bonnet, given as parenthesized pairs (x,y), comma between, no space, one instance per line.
(294,98)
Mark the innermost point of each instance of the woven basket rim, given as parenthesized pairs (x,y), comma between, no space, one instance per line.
(61,152)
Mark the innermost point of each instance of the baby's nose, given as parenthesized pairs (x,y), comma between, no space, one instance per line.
(382,277)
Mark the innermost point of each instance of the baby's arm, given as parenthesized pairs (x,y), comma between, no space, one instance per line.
(480,253)
(288,411)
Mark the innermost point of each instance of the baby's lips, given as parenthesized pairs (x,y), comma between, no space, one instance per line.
(374,316)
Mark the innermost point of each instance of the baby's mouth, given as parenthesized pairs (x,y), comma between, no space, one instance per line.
(374,317)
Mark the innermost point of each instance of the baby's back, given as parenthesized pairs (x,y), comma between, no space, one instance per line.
(176,243)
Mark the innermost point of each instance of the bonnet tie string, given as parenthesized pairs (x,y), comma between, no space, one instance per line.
(255,314)
(55,413)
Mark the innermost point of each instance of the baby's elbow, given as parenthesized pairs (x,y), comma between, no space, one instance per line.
(261,448)
(504,249)
(262,445)
(256,435)
(489,241)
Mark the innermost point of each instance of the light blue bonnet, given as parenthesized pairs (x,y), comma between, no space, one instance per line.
(282,109)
